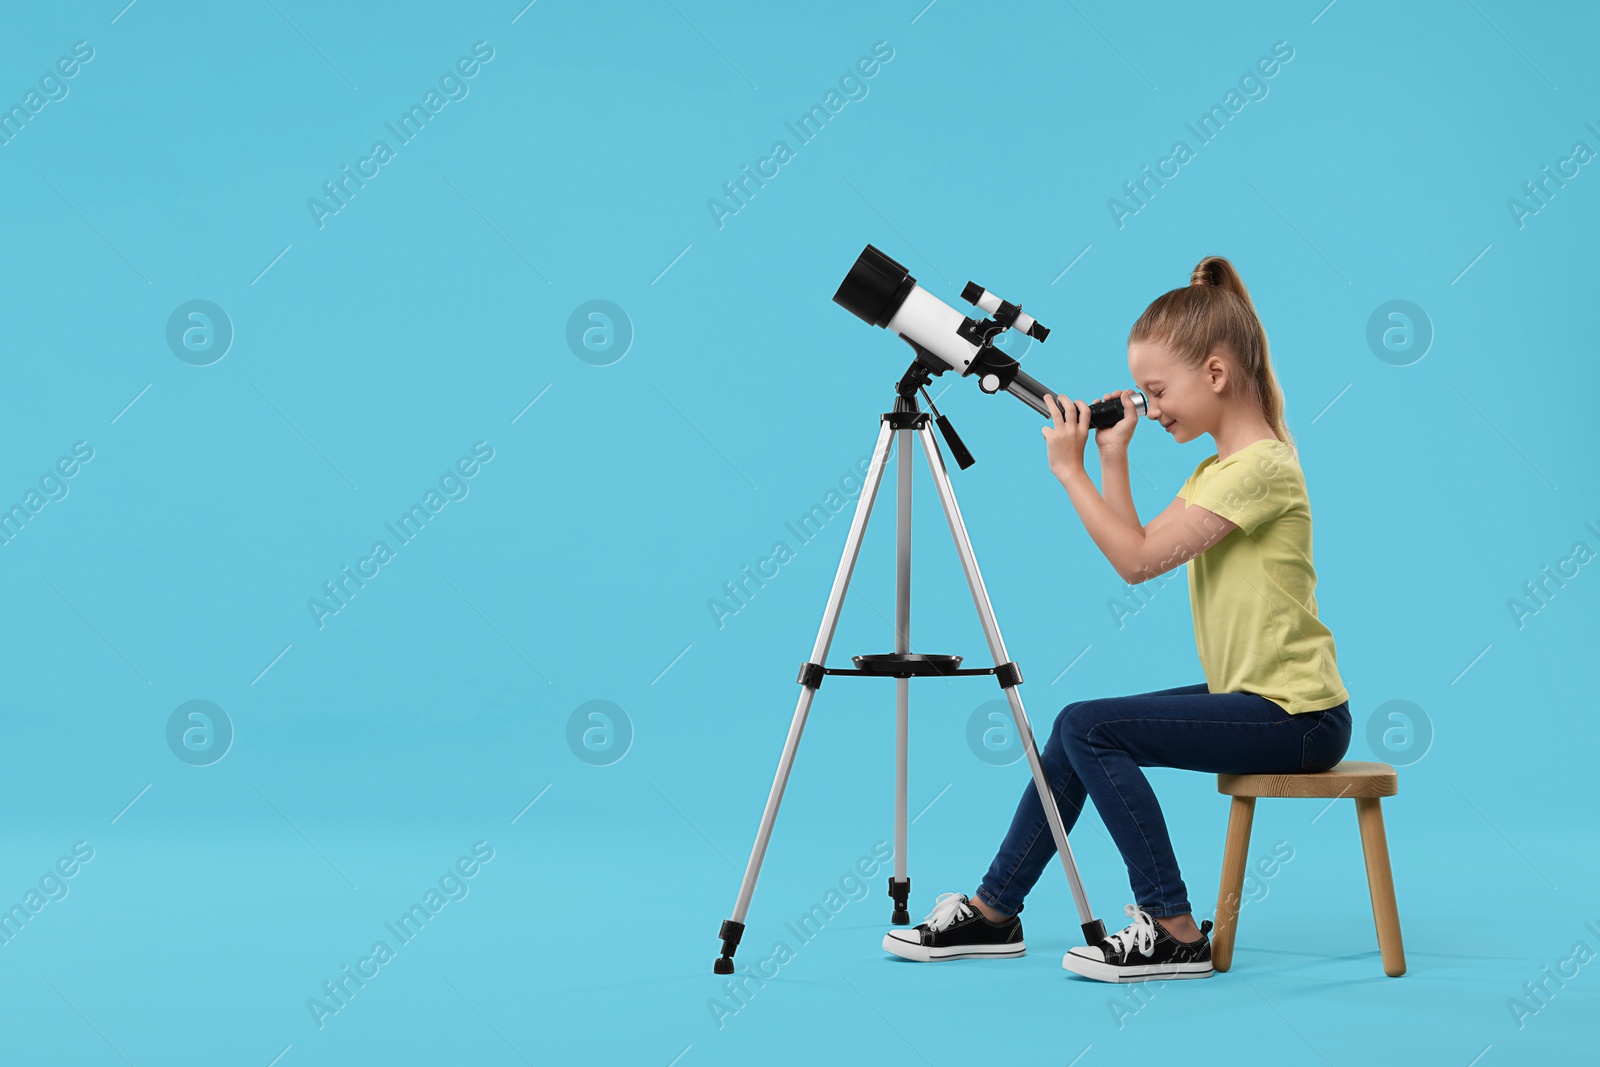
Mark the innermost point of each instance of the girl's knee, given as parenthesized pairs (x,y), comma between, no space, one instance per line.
(1059,728)
(1072,726)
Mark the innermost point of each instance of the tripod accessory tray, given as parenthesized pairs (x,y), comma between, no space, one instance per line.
(908,665)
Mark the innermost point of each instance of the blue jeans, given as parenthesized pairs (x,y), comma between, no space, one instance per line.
(1096,748)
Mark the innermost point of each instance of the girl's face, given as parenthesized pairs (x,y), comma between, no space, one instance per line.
(1186,401)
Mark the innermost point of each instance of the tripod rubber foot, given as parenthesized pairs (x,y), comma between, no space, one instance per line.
(900,890)
(730,933)
(1094,932)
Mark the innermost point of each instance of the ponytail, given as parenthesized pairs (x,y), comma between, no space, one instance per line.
(1215,310)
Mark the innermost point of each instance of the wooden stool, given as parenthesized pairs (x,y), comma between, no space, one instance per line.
(1362,781)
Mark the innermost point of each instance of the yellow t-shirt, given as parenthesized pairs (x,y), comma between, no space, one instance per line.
(1253,593)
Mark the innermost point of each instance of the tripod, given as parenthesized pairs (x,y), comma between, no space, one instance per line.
(899,426)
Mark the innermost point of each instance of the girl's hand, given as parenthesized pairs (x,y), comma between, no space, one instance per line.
(1066,436)
(1115,438)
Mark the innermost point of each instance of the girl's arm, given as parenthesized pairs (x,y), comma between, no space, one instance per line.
(1112,441)
(1139,556)
(1136,555)
(1114,483)
(1120,539)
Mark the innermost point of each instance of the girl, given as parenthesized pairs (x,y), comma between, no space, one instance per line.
(1272,701)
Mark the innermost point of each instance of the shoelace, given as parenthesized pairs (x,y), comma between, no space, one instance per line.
(948,908)
(1141,934)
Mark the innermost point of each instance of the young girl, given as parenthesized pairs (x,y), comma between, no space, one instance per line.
(1272,701)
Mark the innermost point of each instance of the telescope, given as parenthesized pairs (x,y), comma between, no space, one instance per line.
(881,292)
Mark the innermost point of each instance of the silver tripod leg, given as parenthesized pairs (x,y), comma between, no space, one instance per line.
(1093,929)
(733,929)
(900,884)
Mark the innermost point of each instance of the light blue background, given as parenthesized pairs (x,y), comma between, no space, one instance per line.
(430,311)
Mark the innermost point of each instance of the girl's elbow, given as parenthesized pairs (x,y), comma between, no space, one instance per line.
(1143,572)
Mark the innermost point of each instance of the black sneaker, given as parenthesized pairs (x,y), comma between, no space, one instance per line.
(1142,952)
(956,930)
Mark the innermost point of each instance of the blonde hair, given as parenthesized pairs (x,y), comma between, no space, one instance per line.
(1214,310)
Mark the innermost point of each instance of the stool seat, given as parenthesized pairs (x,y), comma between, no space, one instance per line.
(1349,778)
(1363,782)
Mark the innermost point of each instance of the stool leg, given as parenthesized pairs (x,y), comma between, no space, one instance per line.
(1380,882)
(1235,854)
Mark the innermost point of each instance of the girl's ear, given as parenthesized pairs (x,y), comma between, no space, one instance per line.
(1216,372)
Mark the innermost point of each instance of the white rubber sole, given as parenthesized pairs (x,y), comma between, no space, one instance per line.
(1147,972)
(908,950)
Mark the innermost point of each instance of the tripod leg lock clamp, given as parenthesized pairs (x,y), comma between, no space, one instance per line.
(731,933)
(1008,674)
(811,675)
(906,420)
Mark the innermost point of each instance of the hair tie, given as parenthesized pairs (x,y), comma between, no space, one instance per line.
(1201,276)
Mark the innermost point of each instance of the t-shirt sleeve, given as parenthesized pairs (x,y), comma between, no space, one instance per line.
(1185,489)
(1248,489)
